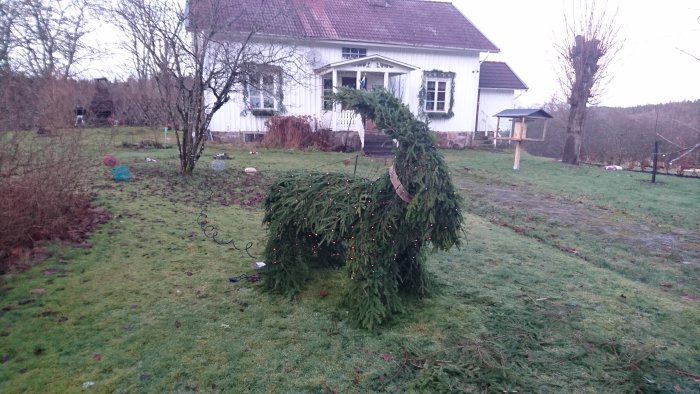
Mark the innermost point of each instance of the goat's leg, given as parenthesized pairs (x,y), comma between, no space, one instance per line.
(373,292)
(411,267)
(286,271)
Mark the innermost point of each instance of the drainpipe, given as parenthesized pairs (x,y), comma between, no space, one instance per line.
(478,99)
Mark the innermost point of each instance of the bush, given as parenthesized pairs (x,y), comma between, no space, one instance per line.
(37,207)
(294,132)
(41,194)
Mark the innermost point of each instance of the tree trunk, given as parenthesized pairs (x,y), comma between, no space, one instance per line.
(187,165)
(583,59)
(191,149)
(188,159)
(572,148)
(574,133)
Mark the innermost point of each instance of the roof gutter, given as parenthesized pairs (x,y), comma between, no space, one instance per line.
(367,43)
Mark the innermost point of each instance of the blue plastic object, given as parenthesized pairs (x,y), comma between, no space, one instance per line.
(218,165)
(121,173)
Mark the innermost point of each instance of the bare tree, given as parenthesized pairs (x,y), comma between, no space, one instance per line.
(49,37)
(8,18)
(591,42)
(200,55)
(42,42)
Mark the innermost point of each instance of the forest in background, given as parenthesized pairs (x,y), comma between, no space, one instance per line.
(623,135)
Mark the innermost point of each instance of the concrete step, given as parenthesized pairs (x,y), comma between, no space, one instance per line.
(378,144)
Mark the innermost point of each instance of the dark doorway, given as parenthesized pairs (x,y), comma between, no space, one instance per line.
(349,82)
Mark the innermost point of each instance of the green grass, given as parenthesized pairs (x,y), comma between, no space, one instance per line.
(149,308)
(672,200)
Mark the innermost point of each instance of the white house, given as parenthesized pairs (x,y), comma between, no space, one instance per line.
(426,52)
(497,88)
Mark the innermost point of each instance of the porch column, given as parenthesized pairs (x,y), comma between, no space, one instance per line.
(406,86)
(334,117)
(357,80)
(386,80)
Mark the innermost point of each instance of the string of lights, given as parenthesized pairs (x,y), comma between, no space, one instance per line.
(211,231)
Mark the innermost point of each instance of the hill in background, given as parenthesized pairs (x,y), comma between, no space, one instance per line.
(620,135)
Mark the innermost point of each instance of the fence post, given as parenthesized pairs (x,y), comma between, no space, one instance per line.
(656,161)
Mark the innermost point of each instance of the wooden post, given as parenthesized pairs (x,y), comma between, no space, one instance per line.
(355,171)
(656,161)
(520,130)
(516,163)
(495,134)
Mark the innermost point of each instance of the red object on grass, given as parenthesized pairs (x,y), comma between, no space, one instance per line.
(110,161)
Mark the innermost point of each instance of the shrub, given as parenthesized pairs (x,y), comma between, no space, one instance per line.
(36,207)
(41,197)
(294,132)
(644,164)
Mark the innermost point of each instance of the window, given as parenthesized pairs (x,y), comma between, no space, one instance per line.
(262,91)
(327,91)
(436,95)
(354,53)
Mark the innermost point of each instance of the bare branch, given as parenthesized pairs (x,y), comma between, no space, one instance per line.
(198,57)
(8,17)
(47,37)
(689,54)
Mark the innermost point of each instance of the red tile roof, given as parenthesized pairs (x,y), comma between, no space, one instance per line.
(403,22)
(498,75)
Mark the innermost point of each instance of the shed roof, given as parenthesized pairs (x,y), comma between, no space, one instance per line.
(402,22)
(524,113)
(498,75)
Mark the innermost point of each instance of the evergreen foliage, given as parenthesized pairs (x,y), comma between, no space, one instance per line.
(332,219)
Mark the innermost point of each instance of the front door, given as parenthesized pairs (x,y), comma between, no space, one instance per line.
(349,82)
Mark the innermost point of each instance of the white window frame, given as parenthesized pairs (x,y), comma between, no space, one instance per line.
(427,107)
(257,90)
(354,52)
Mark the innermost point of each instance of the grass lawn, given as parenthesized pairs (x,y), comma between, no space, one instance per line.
(570,279)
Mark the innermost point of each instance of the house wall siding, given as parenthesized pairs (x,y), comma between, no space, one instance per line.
(491,102)
(305,97)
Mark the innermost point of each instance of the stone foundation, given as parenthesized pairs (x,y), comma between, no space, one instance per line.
(455,140)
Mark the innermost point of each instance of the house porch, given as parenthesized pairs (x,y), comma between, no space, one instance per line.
(369,72)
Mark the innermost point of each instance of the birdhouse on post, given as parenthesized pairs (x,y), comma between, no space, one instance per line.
(520,119)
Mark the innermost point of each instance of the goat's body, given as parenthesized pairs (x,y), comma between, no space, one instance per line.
(319,219)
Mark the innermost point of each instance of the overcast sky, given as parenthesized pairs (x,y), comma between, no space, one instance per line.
(649,69)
